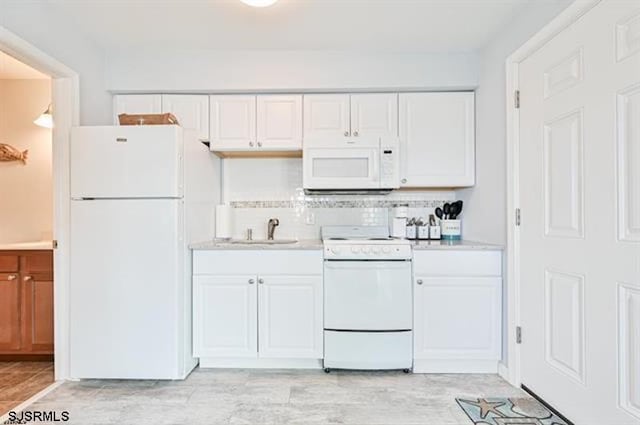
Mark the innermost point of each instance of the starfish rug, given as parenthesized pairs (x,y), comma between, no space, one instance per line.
(508,411)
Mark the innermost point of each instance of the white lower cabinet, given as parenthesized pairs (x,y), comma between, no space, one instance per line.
(270,316)
(457,313)
(226,322)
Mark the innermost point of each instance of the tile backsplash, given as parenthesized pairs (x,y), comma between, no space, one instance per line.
(260,189)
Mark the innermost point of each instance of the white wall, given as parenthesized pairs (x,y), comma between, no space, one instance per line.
(269,70)
(41,25)
(26,191)
(485,204)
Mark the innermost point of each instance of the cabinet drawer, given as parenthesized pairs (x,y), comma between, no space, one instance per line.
(457,263)
(278,262)
(9,263)
(40,262)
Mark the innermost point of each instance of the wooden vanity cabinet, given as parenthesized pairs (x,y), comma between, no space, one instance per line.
(26,302)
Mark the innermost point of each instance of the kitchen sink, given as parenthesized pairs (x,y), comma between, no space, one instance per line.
(262,242)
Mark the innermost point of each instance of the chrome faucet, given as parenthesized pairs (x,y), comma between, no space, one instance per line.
(273,222)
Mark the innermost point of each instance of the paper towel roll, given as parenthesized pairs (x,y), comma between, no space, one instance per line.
(224,216)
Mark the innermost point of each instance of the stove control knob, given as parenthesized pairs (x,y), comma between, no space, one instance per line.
(335,250)
(355,249)
(365,249)
(375,250)
(386,249)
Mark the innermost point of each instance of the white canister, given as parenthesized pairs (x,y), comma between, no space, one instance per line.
(398,222)
(224,221)
(451,230)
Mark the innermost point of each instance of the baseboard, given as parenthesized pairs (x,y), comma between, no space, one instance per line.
(213,362)
(455,366)
(503,371)
(26,357)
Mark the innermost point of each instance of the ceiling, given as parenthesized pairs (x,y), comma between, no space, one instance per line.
(373,25)
(12,69)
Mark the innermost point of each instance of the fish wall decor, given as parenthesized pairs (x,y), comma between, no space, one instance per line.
(8,154)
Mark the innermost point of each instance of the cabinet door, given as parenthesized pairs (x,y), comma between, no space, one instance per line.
(9,312)
(374,115)
(225,316)
(457,318)
(192,111)
(136,104)
(437,139)
(326,118)
(279,122)
(290,316)
(233,122)
(38,313)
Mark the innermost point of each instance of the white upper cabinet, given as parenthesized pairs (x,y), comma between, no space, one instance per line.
(327,116)
(136,104)
(233,122)
(192,111)
(374,115)
(437,139)
(279,124)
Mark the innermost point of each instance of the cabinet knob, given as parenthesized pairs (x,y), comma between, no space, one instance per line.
(251,144)
(346,133)
(419,282)
(251,281)
(261,281)
(403,180)
(12,277)
(27,278)
(355,133)
(259,144)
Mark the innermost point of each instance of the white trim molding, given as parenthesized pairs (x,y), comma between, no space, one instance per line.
(567,17)
(66,107)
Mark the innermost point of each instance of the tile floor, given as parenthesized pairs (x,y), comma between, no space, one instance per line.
(21,380)
(229,396)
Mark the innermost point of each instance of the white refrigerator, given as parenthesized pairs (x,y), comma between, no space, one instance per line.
(139,196)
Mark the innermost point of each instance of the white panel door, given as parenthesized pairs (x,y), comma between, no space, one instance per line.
(579,185)
(374,115)
(279,122)
(437,139)
(290,316)
(225,316)
(192,111)
(233,122)
(326,118)
(136,104)
(457,318)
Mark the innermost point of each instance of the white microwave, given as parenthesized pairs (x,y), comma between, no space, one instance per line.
(371,165)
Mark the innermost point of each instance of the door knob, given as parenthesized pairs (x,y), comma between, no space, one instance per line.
(355,133)
(27,278)
(259,144)
(403,180)
(251,144)
(419,282)
(12,277)
(346,133)
(251,281)
(261,281)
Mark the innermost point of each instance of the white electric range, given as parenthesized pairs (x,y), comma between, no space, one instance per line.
(367,299)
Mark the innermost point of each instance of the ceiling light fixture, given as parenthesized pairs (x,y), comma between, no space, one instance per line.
(259,3)
(45,119)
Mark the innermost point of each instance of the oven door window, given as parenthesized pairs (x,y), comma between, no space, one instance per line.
(367,295)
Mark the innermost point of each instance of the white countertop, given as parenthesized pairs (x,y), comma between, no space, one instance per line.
(317,244)
(455,245)
(32,246)
(223,244)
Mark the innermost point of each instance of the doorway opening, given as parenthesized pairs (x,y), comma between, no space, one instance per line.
(26,234)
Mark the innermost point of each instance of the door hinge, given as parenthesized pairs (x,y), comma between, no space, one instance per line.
(516,99)
(518,335)
(517,216)
(55,244)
